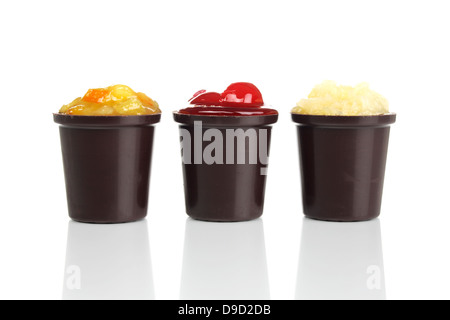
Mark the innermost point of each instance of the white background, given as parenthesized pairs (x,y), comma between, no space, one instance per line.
(53,51)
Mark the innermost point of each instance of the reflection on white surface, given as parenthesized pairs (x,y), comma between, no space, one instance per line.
(224,261)
(108,262)
(340,261)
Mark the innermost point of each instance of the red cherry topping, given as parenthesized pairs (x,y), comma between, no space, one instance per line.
(242,94)
(199,92)
(239,99)
(206,98)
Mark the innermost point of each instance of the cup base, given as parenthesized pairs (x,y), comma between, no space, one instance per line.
(89,221)
(340,219)
(208,218)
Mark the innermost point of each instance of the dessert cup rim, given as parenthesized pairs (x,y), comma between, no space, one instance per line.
(106,121)
(344,121)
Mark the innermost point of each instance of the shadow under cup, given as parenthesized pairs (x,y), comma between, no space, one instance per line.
(342,165)
(107,162)
(226,190)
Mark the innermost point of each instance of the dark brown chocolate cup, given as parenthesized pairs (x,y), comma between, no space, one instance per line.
(107,162)
(342,165)
(233,190)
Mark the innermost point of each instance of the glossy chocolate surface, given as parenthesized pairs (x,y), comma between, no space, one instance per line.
(107,166)
(342,165)
(225,192)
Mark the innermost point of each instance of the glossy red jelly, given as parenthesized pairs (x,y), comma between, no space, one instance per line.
(239,99)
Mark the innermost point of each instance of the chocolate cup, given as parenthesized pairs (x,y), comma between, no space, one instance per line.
(107,166)
(225,192)
(342,165)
